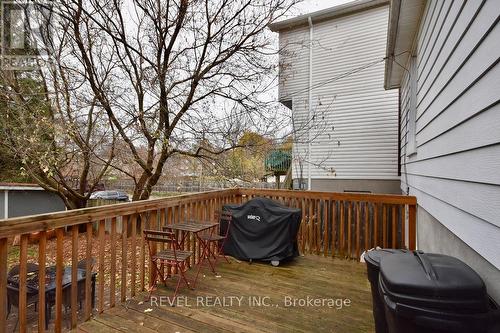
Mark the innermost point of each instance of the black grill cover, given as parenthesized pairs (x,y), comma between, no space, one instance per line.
(262,229)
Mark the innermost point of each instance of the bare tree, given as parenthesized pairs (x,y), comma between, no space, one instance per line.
(172,73)
(59,132)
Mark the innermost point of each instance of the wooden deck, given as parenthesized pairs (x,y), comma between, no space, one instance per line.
(318,278)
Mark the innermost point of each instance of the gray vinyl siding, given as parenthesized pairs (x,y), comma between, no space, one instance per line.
(455,172)
(2,205)
(354,134)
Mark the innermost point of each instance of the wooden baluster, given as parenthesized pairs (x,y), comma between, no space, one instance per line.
(102,250)
(412,227)
(367,226)
(318,227)
(358,228)
(112,279)
(133,254)
(402,223)
(42,246)
(163,222)
(375,225)
(197,250)
(310,234)
(341,229)
(326,227)
(303,225)
(153,223)
(349,236)
(59,278)
(74,276)
(187,243)
(142,252)
(169,219)
(176,219)
(4,250)
(88,274)
(334,226)
(384,225)
(23,271)
(198,212)
(394,229)
(123,284)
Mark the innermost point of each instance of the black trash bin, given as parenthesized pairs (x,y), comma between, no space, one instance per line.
(434,293)
(372,259)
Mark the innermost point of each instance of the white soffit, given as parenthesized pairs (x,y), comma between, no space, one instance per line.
(404,19)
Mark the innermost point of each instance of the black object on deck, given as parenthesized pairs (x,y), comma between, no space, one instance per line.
(372,259)
(434,293)
(262,229)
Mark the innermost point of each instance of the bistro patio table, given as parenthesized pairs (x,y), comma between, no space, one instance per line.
(196,228)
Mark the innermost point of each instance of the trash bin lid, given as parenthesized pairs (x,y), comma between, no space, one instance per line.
(434,279)
(375,256)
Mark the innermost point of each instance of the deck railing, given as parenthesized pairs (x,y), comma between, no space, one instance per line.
(333,224)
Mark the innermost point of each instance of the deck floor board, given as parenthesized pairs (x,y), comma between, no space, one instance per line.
(312,276)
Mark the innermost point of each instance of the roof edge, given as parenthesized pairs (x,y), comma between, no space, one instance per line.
(327,14)
(394,10)
(402,35)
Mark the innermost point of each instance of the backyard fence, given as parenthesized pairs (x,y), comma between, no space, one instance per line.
(333,224)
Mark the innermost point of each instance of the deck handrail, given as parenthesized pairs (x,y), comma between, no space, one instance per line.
(344,196)
(333,224)
(40,222)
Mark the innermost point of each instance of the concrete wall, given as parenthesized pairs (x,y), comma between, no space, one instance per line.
(435,237)
(30,202)
(356,185)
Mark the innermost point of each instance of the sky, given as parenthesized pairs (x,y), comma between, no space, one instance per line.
(308,6)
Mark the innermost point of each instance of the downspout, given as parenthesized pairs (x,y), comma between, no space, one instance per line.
(309,112)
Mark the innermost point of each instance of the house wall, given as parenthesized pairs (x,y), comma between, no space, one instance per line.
(435,237)
(353,127)
(455,170)
(355,185)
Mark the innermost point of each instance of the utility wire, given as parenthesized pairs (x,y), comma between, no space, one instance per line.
(346,74)
(336,78)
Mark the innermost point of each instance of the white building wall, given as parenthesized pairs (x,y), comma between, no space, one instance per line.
(353,126)
(455,172)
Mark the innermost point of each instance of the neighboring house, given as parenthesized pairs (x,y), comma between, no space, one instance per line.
(331,77)
(443,55)
(20,199)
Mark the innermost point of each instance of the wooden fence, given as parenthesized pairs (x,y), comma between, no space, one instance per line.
(332,224)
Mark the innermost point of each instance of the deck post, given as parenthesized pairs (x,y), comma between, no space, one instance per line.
(3,284)
(412,226)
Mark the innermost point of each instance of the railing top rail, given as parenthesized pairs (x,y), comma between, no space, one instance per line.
(41,222)
(366,197)
(35,223)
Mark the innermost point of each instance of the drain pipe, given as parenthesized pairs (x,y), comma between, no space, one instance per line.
(309,112)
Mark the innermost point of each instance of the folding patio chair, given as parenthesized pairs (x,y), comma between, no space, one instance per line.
(218,241)
(172,256)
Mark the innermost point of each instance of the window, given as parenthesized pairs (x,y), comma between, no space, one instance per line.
(411,145)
